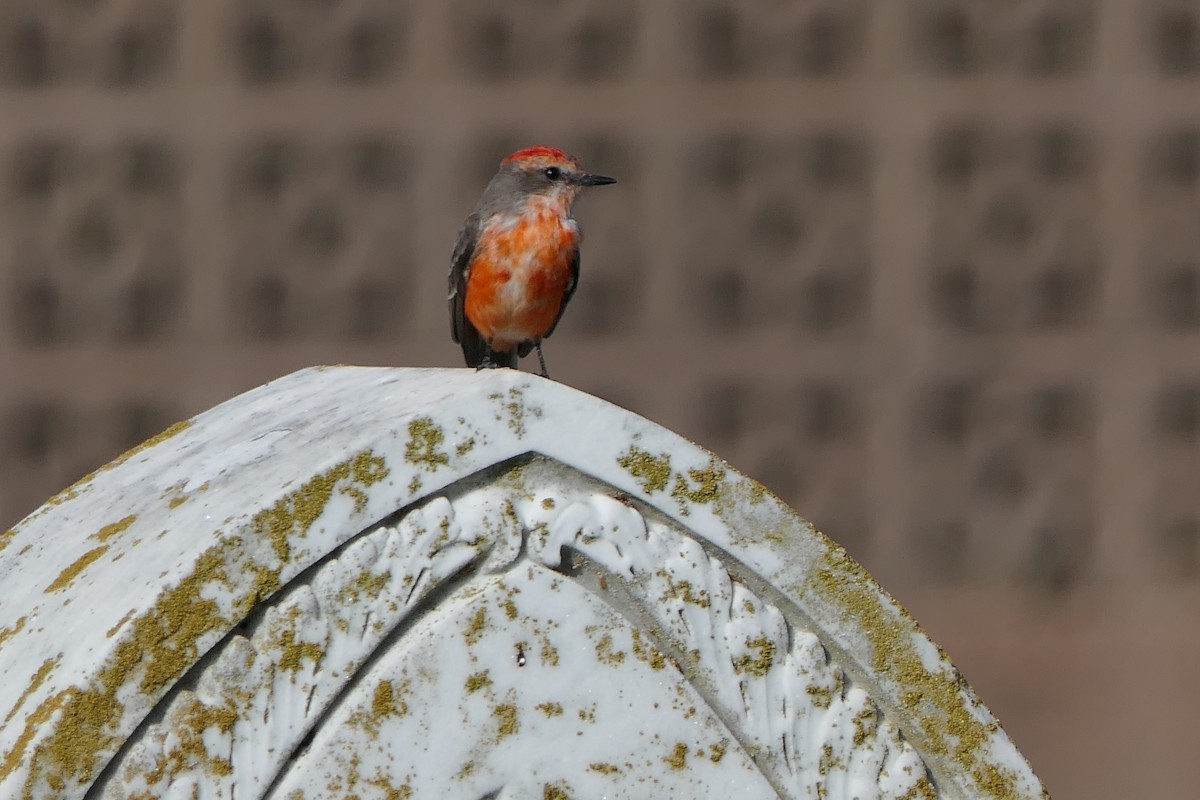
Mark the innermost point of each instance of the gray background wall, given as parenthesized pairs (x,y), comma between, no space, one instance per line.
(928,269)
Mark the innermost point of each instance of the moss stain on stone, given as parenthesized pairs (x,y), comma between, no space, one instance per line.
(550,709)
(38,678)
(553,791)
(294,514)
(11,630)
(943,723)
(190,723)
(605,652)
(108,634)
(391,791)
(424,440)
(757,665)
(77,566)
(683,591)
(157,648)
(293,653)
(678,758)
(113,528)
(384,699)
(705,485)
(477,681)
(72,491)
(647,653)
(822,696)
(476,626)
(507,723)
(651,472)
(516,410)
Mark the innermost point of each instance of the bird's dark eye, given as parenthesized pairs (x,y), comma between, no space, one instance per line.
(553,173)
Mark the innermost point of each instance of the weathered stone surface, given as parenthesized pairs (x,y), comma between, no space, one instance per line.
(443,583)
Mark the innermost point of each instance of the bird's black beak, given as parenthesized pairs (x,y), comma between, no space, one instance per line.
(588,179)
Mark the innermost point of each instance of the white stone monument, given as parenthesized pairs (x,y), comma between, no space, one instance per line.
(393,583)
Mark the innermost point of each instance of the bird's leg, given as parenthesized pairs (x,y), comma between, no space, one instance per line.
(541,360)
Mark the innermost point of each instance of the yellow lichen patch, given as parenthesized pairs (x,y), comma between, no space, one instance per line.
(477,681)
(647,653)
(940,720)
(158,438)
(6,537)
(366,583)
(705,485)
(72,491)
(390,791)
(33,723)
(678,757)
(188,724)
(651,471)
(424,440)
(294,652)
(548,653)
(603,768)
(822,696)
(865,722)
(177,501)
(553,791)
(157,648)
(550,709)
(828,761)
(357,495)
(385,702)
(682,590)
(756,665)
(293,514)
(464,447)
(516,410)
(605,652)
(108,634)
(38,678)
(923,789)
(113,528)
(510,608)
(77,566)
(717,752)
(475,627)
(12,630)
(506,720)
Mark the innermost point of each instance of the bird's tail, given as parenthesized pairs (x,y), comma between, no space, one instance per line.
(479,355)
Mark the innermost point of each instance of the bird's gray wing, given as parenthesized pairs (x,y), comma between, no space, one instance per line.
(569,291)
(460,267)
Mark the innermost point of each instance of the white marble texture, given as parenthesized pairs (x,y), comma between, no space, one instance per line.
(388,583)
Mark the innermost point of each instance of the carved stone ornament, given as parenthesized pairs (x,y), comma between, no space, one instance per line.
(392,583)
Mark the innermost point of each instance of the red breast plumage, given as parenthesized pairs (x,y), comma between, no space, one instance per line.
(516,263)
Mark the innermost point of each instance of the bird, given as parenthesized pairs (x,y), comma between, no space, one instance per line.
(515,265)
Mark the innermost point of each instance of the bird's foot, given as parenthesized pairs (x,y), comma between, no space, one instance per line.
(542,360)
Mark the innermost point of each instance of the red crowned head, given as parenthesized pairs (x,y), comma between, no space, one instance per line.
(542,172)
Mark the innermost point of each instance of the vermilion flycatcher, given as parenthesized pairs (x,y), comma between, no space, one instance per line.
(516,263)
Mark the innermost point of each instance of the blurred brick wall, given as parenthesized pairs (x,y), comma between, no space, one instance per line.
(928,269)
